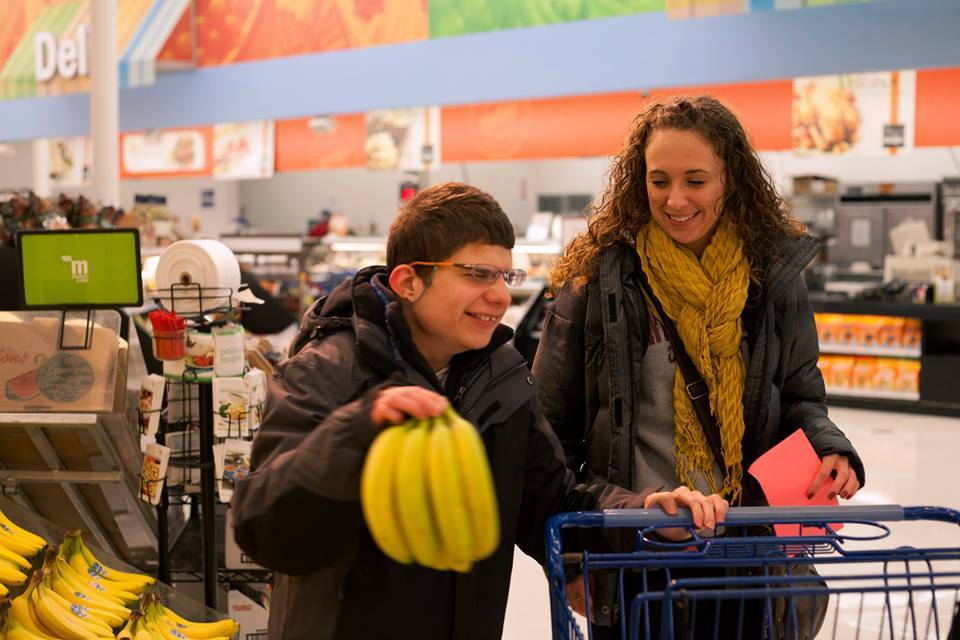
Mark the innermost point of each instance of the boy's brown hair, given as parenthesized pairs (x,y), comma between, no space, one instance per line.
(441,219)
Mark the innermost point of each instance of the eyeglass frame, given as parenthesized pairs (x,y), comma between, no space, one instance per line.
(504,273)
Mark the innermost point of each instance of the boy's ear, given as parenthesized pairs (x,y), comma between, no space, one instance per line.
(405,282)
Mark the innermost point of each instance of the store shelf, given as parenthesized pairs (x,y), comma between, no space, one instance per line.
(878,394)
(880,352)
(53,460)
(938,312)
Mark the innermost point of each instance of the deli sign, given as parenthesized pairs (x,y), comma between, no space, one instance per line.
(66,57)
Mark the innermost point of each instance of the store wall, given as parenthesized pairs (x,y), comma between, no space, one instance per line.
(16,168)
(285,202)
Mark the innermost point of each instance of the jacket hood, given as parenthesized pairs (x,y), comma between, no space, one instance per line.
(367,305)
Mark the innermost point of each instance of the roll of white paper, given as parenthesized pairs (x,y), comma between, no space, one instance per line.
(208,263)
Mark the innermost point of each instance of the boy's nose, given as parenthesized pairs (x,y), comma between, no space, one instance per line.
(498,292)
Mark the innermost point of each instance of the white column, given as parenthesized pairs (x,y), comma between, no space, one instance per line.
(41,183)
(104,103)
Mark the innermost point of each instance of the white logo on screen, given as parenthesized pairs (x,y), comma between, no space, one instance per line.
(79,270)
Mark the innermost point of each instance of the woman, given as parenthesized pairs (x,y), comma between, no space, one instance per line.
(691,210)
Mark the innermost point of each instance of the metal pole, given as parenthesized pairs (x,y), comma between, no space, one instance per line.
(104,103)
(163,533)
(208,515)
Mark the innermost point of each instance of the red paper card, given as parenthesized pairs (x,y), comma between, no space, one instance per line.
(785,472)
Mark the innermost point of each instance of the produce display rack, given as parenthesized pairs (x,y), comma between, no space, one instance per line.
(207,308)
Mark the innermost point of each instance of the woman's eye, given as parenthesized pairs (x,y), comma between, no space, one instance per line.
(695,183)
(659,183)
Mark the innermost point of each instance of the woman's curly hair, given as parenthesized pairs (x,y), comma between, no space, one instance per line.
(750,199)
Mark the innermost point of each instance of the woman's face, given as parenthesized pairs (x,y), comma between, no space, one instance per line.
(684,186)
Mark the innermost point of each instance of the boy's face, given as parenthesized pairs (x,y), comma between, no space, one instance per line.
(456,313)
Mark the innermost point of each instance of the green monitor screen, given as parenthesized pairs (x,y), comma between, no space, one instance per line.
(95,268)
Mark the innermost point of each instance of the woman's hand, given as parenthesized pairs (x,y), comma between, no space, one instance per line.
(845,481)
(707,511)
(394,405)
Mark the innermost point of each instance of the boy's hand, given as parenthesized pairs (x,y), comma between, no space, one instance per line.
(394,405)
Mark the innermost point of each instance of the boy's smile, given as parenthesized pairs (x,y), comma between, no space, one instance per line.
(456,313)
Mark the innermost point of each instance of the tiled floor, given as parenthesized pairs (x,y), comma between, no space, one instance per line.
(909,459)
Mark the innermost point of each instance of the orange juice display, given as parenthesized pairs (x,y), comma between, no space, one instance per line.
(908,376)
(855,332)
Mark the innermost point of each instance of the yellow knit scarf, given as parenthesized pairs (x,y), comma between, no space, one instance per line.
(704,299)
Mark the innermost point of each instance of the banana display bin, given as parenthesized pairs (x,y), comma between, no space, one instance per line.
(182,604)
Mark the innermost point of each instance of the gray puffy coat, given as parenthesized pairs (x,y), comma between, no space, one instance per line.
(593,343)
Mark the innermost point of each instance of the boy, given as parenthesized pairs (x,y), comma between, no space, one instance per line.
(395,342)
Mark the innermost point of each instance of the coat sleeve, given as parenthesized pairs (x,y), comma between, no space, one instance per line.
(549,487)
(558,369)
(802,397)
(299,510)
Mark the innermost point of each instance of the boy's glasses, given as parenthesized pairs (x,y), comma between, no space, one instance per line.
(482,273)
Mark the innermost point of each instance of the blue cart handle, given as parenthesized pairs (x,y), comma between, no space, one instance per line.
(753,515)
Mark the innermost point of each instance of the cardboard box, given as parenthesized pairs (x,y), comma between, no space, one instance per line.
(251,616)
(36,375)
(233,556)
(815,186)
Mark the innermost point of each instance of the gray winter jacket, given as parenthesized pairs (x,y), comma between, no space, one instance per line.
(593,343)
(298,512)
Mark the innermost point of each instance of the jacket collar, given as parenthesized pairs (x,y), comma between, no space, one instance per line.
(366,304)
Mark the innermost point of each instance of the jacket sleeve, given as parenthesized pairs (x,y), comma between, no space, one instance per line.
(802,397)
(299,510)
(558,369)
(549,488)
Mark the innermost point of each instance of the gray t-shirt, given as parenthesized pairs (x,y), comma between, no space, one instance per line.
(654,464)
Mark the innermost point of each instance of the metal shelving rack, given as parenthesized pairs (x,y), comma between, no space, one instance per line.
(198,319)
(35,426)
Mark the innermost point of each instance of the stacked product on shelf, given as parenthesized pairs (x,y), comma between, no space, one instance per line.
(870,356)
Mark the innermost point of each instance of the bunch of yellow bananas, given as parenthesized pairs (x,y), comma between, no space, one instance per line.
(56,604)
(427,494)
(17,546)
(158,622)
(119,584)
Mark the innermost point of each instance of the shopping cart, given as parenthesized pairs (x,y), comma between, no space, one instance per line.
(748,582)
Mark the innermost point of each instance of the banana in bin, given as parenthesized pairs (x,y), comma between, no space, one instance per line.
(17,545)
(428,496)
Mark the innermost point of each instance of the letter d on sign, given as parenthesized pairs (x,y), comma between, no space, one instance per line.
(44,55)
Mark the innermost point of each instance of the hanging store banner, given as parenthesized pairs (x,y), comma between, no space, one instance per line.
(242,30)
(686,9)
(862,114)
(597,125)
(49,52)
(459,17)
(243,150)
(321,142)
(405,139)
(938,94)
(169,153)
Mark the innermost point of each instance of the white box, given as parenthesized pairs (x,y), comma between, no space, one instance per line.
(234,557)
(251,617)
